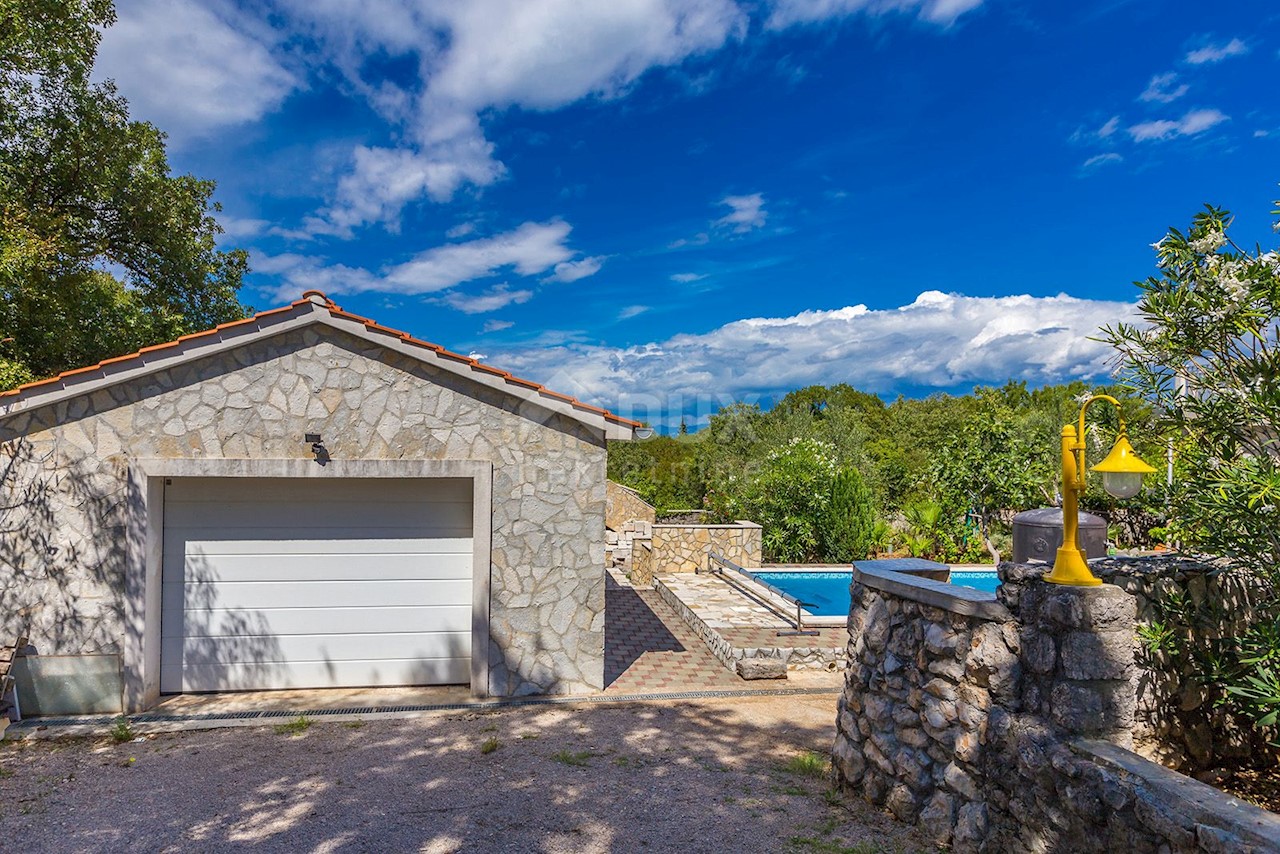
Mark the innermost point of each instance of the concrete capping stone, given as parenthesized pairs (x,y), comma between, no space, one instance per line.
(948,597)
(1198,803)
(739,524)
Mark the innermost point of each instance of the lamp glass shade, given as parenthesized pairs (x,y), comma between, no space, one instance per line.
(1122,470)
(1122,484)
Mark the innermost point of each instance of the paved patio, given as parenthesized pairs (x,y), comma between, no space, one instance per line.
(726,607)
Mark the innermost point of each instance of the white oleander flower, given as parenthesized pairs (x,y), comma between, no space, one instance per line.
(1208,242)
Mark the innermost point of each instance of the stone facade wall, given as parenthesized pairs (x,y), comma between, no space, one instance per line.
(641,562)
(623,504)
(683,548)
(72,519)
(1176,719)
(1003,726)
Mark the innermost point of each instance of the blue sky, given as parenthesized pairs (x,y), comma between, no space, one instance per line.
(663,206)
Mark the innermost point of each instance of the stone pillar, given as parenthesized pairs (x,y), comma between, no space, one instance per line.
(1077,655)
(641,563)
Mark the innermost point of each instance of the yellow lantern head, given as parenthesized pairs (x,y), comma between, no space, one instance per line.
(1122,470)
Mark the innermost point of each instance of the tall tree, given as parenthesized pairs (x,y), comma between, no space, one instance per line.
(102,250)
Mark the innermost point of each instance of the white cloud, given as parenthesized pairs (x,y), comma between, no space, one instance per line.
(1106,131)
(938,341)
(787,12)
(1100,160)
(1162,88)
(747,212)
(191,70)
(571,271)
(1194,122)
(462,229)
(1214,53)
(485,54)
(235,226)
(499,296)
(497,325)
(632,311)
(383,180)
(531,249)
(686,278)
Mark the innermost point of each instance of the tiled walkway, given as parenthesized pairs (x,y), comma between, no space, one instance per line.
(648,648)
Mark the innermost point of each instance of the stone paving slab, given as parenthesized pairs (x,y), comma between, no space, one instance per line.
(735,624)
(752,636)
(722,605)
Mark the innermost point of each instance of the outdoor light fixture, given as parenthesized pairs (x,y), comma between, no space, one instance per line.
(317,447)
(1122,473)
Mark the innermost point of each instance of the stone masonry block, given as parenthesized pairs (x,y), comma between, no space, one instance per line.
(1097,655)
(761,668)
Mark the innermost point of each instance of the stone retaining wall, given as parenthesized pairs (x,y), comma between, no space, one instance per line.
(623,504)
(1002,725)
(1176,719)
(683,548)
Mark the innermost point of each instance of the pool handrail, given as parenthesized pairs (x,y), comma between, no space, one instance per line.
(787,597)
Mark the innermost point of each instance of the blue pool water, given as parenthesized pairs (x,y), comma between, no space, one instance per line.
(829,591)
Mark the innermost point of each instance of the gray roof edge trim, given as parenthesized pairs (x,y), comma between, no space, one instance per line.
(302,315)
(538,397)
(178,353)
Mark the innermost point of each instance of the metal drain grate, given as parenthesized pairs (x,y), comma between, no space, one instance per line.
(478,705)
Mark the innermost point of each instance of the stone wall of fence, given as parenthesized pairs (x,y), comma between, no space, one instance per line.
(623,504)
(683,548)
(641,563)
(1176,718)
(1003,725)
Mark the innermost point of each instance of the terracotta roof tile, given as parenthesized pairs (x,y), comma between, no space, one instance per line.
(336,311)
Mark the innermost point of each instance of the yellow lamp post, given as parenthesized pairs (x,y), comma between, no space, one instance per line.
(1122,473)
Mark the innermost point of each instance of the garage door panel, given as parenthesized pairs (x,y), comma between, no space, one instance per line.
(317,491)
(258,595)
(351,516)
(374,646)
(268,676)
(274,583)
(194,545)
(204,569)
(318,621)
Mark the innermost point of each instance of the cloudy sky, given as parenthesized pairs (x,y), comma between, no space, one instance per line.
(664,205)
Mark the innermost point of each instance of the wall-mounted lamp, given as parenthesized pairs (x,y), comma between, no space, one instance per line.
(643,433)
(317,447)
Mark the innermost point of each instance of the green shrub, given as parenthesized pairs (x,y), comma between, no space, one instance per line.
(850,519)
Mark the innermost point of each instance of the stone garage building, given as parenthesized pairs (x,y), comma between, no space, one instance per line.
(300,499)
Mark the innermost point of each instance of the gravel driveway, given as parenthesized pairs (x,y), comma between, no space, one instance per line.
(708,775)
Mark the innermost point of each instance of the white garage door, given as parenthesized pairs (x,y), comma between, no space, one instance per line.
(316,583)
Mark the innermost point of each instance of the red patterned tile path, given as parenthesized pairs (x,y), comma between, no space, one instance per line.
(649,649)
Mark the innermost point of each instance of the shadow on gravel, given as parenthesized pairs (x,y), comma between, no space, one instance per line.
(686,776)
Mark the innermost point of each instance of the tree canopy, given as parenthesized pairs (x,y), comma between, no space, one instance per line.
(942,475)
(102,249)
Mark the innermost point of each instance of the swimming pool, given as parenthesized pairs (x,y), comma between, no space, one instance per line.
(828,592)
